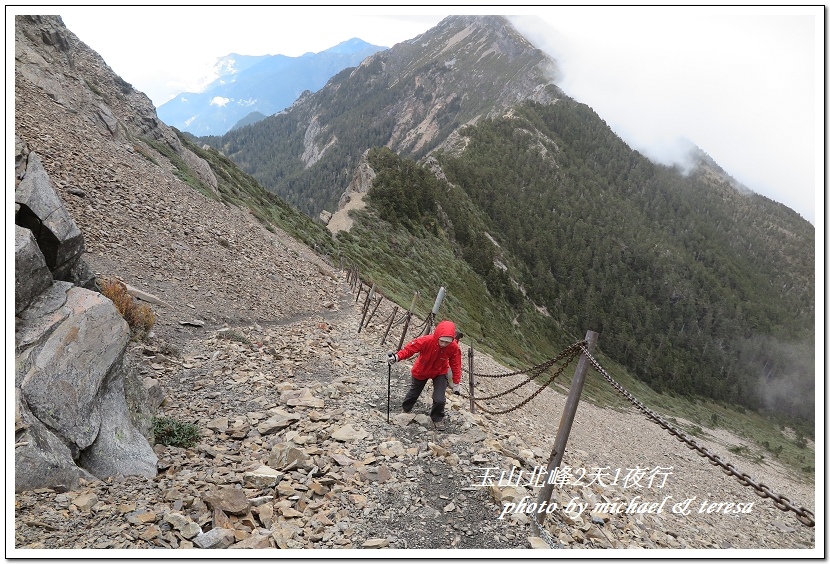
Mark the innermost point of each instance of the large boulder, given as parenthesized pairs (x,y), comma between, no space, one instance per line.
(62,375)
(39,209)
(70,349)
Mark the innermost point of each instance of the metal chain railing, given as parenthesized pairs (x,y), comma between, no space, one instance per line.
(401,319)
(538,368)
(575,351)
(804,515)
(424,327)
(534,372)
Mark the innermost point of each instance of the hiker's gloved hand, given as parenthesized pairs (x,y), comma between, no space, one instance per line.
(456,389)
(391,358)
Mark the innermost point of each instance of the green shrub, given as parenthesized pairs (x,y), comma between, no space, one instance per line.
(232,335)
(172,432)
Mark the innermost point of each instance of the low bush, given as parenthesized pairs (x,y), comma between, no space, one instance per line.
(172,432)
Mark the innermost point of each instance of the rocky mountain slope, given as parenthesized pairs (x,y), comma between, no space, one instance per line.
(256,342)
(410,98)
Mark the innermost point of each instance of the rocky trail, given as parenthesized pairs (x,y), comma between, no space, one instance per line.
(295,453)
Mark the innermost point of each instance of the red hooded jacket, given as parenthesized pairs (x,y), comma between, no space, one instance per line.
(433,359)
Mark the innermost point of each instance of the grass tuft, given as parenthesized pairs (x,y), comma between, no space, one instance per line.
(139,317)
(172,432)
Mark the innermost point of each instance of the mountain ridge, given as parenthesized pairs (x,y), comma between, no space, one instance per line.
(265,83)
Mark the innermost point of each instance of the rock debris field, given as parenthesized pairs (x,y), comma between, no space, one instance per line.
(296,453)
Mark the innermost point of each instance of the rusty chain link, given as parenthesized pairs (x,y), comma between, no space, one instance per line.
(401,318)
(535,372)
(804,515)
(539,367)
(574,352)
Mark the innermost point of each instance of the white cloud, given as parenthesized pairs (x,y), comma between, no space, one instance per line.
(248,102)
(219,101)
(741,84)
(226,66)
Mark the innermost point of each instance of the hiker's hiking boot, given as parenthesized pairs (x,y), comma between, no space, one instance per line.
(439,425)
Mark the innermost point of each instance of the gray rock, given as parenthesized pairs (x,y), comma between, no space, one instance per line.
(70,371)
(215,538)
(42,212)
(423,420)
(262,477)
(186,526)
(119,447)
(64,376)
(284,455)
(41,459)
(276,423)
(155,393)
(348,433)
(31,275)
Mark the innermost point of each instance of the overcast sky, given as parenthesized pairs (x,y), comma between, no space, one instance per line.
(745,84)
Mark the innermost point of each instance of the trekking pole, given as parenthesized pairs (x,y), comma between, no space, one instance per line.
(388,392)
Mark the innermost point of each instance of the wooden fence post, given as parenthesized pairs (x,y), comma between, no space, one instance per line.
(408,319)
(366,307)
(565,423)
(371,315)
(472,380)
(388,327)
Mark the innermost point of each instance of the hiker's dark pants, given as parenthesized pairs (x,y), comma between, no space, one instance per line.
(439,397)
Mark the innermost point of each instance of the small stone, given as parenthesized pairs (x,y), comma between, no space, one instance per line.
(142,516)
(254,541)
(348,433)
(423,420)
(85,502)
(537,543)
(215,538)
(290,512)
(219,424)
(403,419)
(230,500)
(376,543)
(779,525)
(184,525)
(262,477)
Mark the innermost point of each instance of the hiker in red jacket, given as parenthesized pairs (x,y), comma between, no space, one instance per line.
(438,353)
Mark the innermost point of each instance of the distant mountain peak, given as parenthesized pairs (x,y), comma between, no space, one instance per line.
(249,86)
(352,45)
